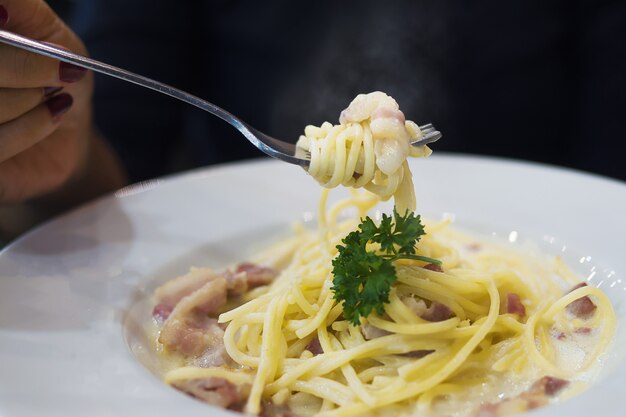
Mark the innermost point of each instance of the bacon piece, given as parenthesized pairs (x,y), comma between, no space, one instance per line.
(215,355)
(514,305)
(189,329)
(269,409)
(170,293)
(161,312)
(583,330)
(437,312)
(216,391)
(246,276)
(582,307)
(548,385)
(256,275)
(236,283)
(433,267)
(314,346)
(371,332)
(392,146)
(208,299)
(388,113)
(187,304)
(474,247)
(364,105)
(509,406)
(194,338)
(536,396)
(418,354)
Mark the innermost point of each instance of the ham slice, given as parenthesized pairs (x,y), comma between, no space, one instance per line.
(161,312)
(583,307)
(170,293)
(364,105)
(245,277)
(435,312)
(583,330)
(388,113)
(256,275)
(314,346)
(216,391)
(514,305)
(269,409)
(548,385)
(189,329)
(537,395)
(418,354)
(188,305)
(372,332)
(433,267)
(214,355)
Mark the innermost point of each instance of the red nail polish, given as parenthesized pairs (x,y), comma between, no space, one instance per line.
(50,91)
(69,73)
(59,105)
(4,16)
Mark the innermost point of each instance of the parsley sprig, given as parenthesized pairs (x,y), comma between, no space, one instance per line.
(362,278)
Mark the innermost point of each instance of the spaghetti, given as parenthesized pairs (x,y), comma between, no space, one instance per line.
(367,149)
(490,322)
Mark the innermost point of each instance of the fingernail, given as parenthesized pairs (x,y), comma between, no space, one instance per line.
(59,105)
(4,16)
(69,73)
(50,91)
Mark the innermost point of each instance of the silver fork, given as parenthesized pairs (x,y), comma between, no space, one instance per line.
(273,147)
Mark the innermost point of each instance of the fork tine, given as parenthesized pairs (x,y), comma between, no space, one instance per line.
(429,135)
(427,128)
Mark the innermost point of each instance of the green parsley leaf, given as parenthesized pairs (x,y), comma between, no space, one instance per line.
(401,236)
(362,279)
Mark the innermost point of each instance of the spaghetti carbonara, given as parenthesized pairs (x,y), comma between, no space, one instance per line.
(368,149)
(489,331)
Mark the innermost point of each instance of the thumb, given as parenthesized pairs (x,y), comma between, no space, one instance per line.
(36,20)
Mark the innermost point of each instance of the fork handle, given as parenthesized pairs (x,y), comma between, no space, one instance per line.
(44,49)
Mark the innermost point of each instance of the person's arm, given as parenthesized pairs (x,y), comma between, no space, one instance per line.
(50,155)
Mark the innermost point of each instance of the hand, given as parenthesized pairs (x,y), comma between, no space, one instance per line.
(46,135)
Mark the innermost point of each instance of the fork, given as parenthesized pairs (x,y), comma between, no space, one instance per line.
(273,147)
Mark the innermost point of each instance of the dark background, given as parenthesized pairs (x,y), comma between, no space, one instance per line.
(62,7)
(534,80)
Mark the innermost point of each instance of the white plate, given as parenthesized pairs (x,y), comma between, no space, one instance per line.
(70,339)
